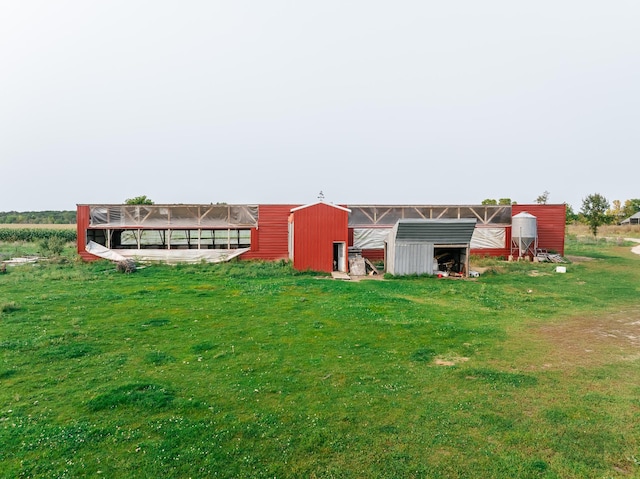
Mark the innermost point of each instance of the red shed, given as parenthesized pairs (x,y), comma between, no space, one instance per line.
(318,237)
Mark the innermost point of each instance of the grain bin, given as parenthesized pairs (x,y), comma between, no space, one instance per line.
(524,234)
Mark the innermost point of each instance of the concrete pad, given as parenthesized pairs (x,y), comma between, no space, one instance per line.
(340,275)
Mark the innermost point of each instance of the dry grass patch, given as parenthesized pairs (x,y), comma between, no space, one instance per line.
(449,360)
(605,230)
(579,259)
(577,342)
(590,341)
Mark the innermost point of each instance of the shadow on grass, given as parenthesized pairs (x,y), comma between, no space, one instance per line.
(500,378)
(423,354)
(143,395)
(203,347)
(159,358)
(70,351)
(154,323)
(7,373)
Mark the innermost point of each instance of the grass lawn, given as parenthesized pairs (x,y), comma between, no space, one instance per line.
(247,370)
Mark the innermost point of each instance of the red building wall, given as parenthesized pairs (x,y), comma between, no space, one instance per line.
(82,223)
(316,228)
(551,220)
(270,241)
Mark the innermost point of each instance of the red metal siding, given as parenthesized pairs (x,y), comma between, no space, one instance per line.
(316,228)
(550,223)
(490,252)
(271,240)
(373,254)
(82,223)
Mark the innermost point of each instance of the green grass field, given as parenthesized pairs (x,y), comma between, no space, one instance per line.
(247,370)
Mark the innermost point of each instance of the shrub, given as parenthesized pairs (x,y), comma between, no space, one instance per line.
(53,245)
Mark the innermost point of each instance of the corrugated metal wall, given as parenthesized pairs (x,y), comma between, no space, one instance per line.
(316,228)
(551,225)
(410,258)
(271,240)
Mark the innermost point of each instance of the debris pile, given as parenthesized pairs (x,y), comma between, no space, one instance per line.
(544,256)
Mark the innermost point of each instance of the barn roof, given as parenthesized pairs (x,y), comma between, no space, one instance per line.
(632,217)
(321,203)
(443,231)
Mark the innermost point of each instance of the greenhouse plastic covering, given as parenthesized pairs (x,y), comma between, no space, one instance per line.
(364,216)
(483,238)
(163,216)
(166,255)
(370,238)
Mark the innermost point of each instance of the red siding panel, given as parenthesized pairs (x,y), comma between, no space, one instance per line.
(551,221)
(82,223)
(373,254)
(271,240)
(316,228)
(490,252)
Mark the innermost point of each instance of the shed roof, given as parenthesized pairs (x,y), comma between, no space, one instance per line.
(444,231)
(635,217)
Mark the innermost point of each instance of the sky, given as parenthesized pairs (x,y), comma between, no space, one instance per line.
(370,102)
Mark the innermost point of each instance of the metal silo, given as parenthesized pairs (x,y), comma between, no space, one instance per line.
(524,233)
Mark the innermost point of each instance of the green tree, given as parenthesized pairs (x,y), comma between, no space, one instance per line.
(594,209)
(616,211)
(631,207)
(489,201)
(505,201)
(139,200)
(543,198)
(571,216)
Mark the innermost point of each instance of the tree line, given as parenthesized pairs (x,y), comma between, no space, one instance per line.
(38,217)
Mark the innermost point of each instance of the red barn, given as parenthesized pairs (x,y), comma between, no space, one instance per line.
(315,236)
(319,237)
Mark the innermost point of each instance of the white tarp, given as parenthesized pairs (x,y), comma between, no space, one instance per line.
(170,256)
(370,238)
(103,252)
(488,238)
(173,216)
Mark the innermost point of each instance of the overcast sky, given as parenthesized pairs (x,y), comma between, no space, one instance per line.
(403,102)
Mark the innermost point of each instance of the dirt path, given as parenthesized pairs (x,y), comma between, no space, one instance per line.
(635,249)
